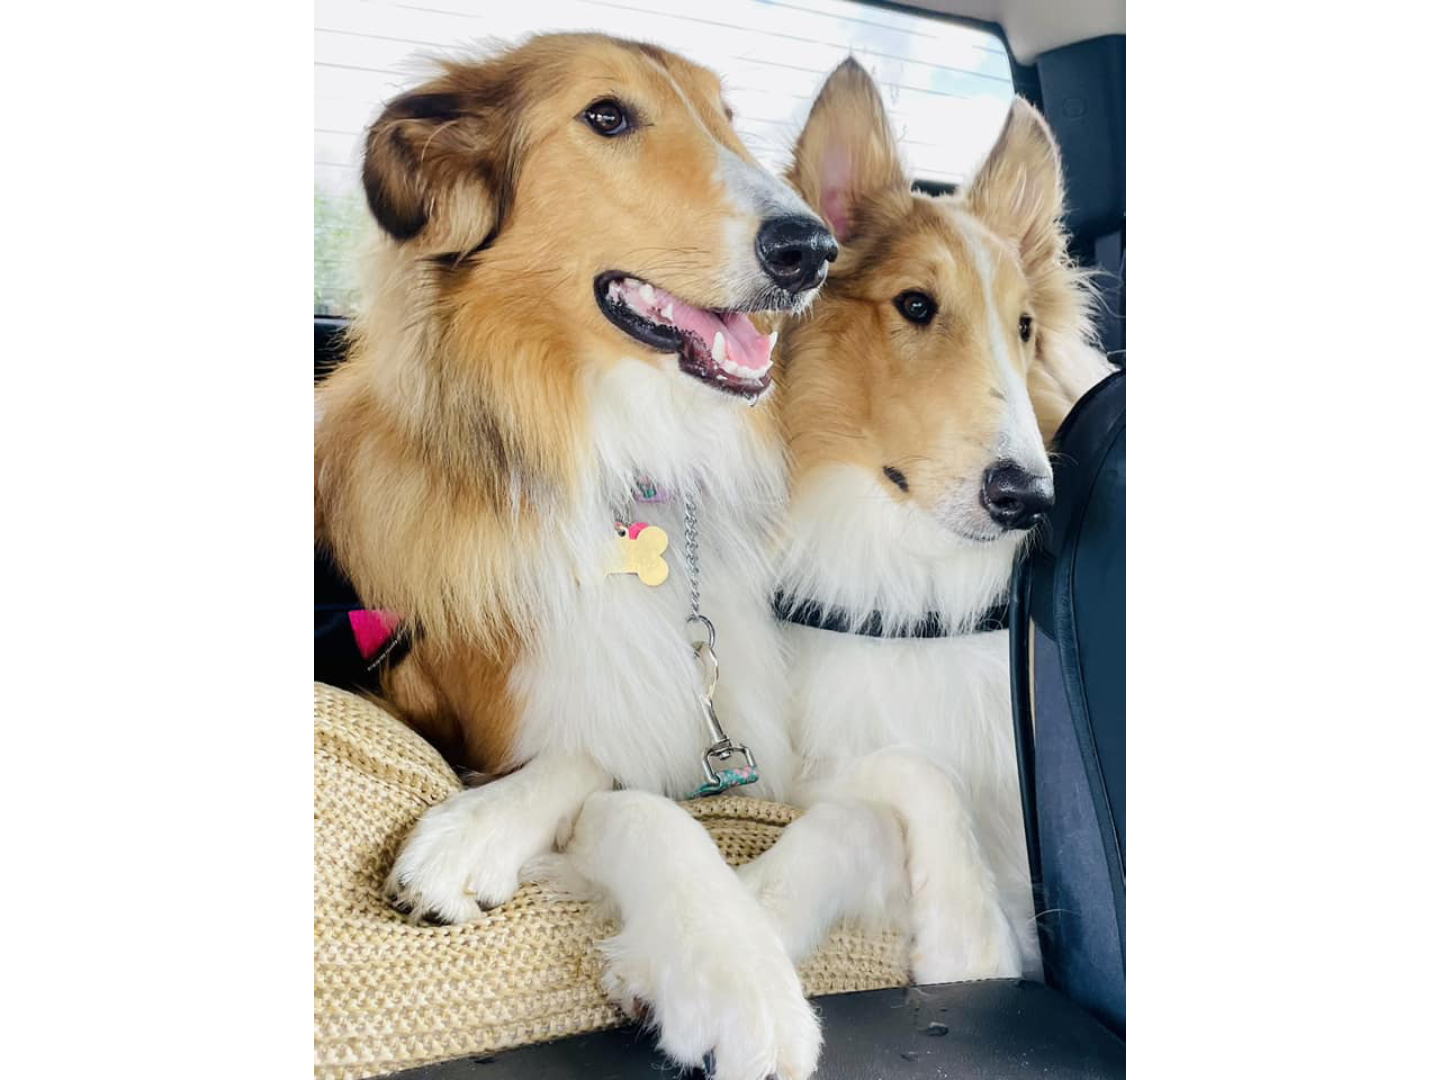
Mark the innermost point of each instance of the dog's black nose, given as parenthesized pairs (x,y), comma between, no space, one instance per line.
(1013,497)
(794,250)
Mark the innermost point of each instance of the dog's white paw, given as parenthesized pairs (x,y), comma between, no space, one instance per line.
(717,998)
(463,857)
(965,939)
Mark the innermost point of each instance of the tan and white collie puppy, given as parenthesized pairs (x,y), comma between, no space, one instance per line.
(554,351)
(909,398)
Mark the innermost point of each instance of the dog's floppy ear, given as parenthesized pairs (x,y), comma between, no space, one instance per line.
(846,154)
(1020,191)
(440,161)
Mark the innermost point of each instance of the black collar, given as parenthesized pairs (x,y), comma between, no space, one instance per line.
(814,614)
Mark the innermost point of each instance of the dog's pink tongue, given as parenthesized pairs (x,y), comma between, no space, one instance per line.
(744,345)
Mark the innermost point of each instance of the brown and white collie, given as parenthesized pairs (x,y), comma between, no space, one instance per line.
(554,349)
(917,397)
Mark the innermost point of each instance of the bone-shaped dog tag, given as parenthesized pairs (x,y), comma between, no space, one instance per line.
(640,552)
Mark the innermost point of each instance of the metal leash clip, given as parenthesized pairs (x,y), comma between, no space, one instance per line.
(722,749)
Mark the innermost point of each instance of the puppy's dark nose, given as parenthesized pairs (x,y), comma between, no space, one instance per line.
(794,250)
(1013,497)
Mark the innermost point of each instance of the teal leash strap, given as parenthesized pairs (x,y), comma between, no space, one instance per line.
(724,781)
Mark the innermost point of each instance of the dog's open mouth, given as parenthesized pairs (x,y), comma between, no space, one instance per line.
(720,348)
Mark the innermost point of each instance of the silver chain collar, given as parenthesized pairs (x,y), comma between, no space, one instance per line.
(692,559)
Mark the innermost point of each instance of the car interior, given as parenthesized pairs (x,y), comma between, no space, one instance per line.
(1067,627)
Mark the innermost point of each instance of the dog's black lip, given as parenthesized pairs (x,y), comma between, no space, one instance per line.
(668,339)
(665,339)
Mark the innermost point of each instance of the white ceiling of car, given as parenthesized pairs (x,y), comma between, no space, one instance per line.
(1035,26)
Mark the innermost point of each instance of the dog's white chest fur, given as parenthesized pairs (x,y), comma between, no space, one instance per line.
(613,672)
(616,676)
(946,697)
(855,550)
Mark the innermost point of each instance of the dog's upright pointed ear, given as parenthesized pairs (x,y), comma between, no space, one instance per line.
(847,154)
(1020,190)
(440,161)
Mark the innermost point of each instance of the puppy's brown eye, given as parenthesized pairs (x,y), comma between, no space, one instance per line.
(607,117)
(916,306)
(1026,326)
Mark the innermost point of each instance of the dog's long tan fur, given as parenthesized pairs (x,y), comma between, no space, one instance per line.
(548,212)
(456,432)
(898,425)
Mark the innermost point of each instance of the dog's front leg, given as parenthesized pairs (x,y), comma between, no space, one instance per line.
(844,858)
(958,923)
(695,951)
(464,855)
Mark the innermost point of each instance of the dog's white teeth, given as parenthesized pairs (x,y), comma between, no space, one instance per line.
(647,293)
(774,337)
(739,371)
(717,349)
(669,312)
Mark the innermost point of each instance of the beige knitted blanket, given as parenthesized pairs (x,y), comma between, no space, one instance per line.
(390,995)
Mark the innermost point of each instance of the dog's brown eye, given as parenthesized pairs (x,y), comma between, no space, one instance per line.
(1026,325)
(607,117)
(916,306)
